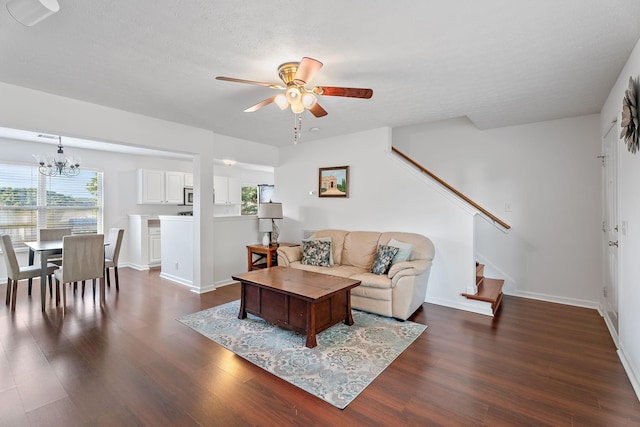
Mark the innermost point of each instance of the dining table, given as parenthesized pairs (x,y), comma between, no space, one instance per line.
(45,248)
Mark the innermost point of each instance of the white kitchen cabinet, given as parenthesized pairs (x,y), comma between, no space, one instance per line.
(173,188)
(154,246)
(188,180)
(160,187)
(228,191)
(144,241)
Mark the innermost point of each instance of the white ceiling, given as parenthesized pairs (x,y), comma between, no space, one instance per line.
(499,62)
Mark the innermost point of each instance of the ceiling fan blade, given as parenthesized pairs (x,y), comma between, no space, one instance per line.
(259,105)
(318,111)
(306,70)
(251,82)
(350,92)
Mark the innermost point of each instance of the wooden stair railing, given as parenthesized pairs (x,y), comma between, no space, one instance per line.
(489,290)
(494,218)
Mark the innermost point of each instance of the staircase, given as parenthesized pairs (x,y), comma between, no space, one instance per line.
(489,290)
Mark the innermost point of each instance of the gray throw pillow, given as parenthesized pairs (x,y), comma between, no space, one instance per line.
(404,251)
(383,259)
(316,252)
(323,239)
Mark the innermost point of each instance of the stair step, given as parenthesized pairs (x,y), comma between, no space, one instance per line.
(479,273)
(490,290)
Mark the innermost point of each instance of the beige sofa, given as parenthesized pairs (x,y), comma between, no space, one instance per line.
(399,293)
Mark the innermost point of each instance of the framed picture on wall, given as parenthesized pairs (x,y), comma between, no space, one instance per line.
(333,182)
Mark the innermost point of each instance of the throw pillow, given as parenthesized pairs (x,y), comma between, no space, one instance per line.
(404,250)
(316,252)
(323,239)
(383,259)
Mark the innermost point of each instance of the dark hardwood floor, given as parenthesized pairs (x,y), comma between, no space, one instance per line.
(131,363)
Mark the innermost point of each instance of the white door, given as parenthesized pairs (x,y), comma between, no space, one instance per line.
(611,225)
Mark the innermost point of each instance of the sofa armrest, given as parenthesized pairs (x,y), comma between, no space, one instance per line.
(409,268)
(288,254)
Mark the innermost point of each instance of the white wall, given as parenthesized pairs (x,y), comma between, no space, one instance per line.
(177,251)
(233,234)
(629,210)
(550,175)
(32,110)
(384,195)
(120,181)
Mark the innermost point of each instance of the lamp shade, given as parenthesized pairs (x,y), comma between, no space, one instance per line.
(30,12)
(270,210)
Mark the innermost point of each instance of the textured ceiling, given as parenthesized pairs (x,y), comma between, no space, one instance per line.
(499,62)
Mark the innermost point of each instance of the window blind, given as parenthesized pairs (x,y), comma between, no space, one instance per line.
(30,201)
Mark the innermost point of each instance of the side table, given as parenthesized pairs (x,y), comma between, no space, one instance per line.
(265,255)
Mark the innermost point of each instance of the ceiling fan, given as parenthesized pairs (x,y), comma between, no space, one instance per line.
(295,76)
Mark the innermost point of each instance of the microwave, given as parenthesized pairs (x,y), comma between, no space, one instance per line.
(188,195)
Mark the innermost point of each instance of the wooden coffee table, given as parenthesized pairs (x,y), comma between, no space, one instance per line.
(296,300)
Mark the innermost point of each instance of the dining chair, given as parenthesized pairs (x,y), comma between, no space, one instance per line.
(48,235)
(15,272)
(82,259)
(111,254)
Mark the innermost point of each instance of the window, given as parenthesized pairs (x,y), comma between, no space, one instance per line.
(249,201)
(30,201)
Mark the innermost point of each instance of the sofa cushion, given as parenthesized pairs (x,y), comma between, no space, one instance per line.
(404,250)
(334,270)
(383,259)
(337,242)
(373,293)
(315,252)
(360,248)
(370,280)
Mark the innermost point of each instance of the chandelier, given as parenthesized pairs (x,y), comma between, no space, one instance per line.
(58,164)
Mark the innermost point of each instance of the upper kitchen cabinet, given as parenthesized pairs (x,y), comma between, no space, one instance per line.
(228,191)
(188,180)
(160,187)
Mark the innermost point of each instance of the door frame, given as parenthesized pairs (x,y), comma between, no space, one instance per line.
(611,274)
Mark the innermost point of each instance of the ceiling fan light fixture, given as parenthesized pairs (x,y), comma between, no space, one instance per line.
(293,94)
(297,108)
(308,100)
(281,101)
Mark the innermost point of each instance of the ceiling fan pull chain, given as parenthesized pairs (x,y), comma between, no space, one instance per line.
(297,127)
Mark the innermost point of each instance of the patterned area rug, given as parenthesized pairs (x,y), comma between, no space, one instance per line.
(346,360)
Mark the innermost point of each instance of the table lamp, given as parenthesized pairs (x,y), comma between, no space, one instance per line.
(271,211)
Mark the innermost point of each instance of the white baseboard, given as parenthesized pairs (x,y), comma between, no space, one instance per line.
(204,289)
(177,279)
(552,298)
(631,374)
(138,267)
(610,327)
(472,306)
(225,282)
(188,283)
